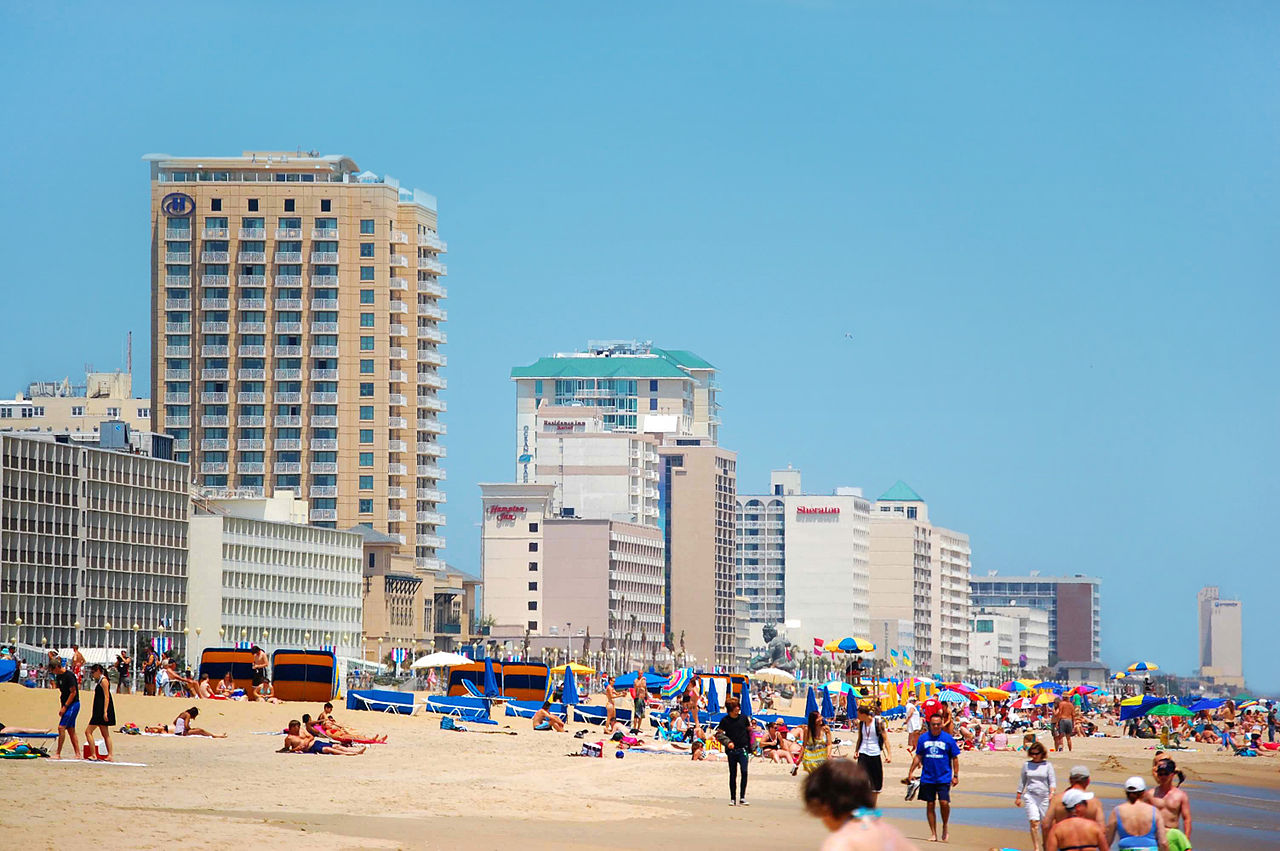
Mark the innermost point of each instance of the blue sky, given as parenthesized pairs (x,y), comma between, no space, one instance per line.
(1050,231)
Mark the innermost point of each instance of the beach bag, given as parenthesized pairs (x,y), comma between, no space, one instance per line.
(595,749)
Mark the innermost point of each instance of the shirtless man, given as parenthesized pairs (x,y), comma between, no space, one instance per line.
(259,673)
(77,663)
(1064,722)
(639,702)
(203,688)
(1172,804)
(1077,830)
(544,720)
(333,729)
(299,741)
(1079,779)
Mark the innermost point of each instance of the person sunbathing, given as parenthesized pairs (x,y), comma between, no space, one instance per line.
(202,687)
(698,753)
(296,740)
(182,726)
(334,730)
(226,686)
(6,730)
(312,728)
(772,747)
(544,720)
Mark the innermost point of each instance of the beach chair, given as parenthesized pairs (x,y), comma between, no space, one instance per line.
(378,700)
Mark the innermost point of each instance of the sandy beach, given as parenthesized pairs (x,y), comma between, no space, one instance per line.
(429,788)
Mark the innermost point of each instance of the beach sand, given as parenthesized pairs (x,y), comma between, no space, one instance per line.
(429,788)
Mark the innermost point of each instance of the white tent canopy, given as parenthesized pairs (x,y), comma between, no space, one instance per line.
(773,675)
(441,660)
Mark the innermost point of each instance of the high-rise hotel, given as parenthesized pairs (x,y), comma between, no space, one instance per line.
(297,336)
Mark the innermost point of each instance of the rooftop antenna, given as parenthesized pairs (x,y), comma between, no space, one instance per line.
(128,355)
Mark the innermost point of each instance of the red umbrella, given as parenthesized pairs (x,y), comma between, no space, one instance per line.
(1024,703)
(1084,689)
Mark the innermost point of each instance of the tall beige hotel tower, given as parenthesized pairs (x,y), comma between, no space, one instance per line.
(297,336)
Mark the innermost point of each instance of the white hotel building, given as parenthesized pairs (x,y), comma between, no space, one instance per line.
(803,560)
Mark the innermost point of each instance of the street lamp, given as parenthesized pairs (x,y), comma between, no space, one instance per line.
(136,662)
(18,623)
(76,639)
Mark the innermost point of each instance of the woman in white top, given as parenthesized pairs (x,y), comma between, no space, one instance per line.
(873,746)
(1035,790)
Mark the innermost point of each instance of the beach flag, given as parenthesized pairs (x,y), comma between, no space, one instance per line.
(399,654)
(162,644)
(819,645)
(329,648)
(243,645)
(906,659)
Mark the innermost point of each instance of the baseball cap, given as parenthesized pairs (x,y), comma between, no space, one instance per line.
(1079,771)
(1075,797)
(1135,784)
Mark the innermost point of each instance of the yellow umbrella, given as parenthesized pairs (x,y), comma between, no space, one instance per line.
(578,669)
(1136,700)
(1044,699)
(994,693)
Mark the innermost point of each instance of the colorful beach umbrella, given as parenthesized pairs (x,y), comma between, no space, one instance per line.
(1084,689)
(850,645)
(1119,675)
(677,682)
(993,693)
(581,669)
(1014,686)
(1143,666)
(1045,699)
(1056,687)
(1170,710)
(1023,703)
(948,695)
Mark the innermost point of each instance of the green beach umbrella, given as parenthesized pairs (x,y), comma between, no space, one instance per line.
(1170,710)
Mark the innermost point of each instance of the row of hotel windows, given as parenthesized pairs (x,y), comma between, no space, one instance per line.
(177,223)
(7,412)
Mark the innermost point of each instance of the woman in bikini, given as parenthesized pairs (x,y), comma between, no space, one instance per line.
(182,726)
(334,730)
(296,740)
(226,685)
(610,710)
(838,792)
(815,741)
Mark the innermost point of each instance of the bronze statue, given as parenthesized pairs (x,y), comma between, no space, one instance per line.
(775,652)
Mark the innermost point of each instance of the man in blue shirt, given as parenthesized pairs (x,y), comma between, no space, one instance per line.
(938,758)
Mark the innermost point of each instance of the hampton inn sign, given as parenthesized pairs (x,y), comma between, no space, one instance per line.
(506,512)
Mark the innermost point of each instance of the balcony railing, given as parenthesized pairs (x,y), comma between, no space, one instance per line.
(177,327)
(399,284)
(432,288)
(251,398)
(288,233)
(396,400)
(288,304)
(431,471)
(432,334)
(213,444)
(432,312)
(324,514)
(398,331)
(324,420)
(288,444)
(288,256)
(324,304)
(397,469)
(215,303)
(252,303)
(324,466)
(397,422)
(431,426)
(431,495)
(287,466)
(432,357)
(397,446)
(286,420)
(252,351)
(430,240)
(215,373)
(178,398)
(175,234)
(288,398)
(177,280)
(177,304)
(324,351)
(324,280)
(436,450)
(215,280)
(399,260)
(324,327)
(215,256)
(253,233)
(323,444)
(214,467)
(180,257)
(431,403)
(250,467)
(324,257)
(251,280)
(324,375)
(436,541)
(288,327)
(428,379)
(214,350)
(215,327)
(430,264)
(395,515)
(324,233)
(288,374)
(214,398)
(323,490)
(399,237)
(251,420)
(435,518)
(399,307)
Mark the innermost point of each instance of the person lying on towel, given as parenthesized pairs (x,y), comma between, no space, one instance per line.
(182,726)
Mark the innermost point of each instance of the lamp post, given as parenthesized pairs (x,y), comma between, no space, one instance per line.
(76,634)
(186,646)
(17,622)
(379,659)
(306,641)
(133,689)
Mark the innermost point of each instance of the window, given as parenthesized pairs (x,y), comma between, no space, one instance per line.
(366,459)
(653,385)
(143,413)
(372,558)
(366,412)
(366,483)
(537,387)
(253,205)
(215,204)
(983,626)
(533,546)
(366,249)
(653,403)
(366,388)
(77,411)
(911,511)
(366,367)
(366,506)
(113,412)
(366,320)
(366,273)
(533,626)
(366,435)
(326,206)
(533,527)
(533,565)
(366,296)
(288,205)
(366,226)
(533,586)
(366,344)
(533,605)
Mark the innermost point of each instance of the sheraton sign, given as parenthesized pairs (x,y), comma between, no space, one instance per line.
(825,509)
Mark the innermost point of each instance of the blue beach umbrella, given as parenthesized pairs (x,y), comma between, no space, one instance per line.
(811,703)
(569,697)
(490,681)
(828,711)
(746,702)
(713,699)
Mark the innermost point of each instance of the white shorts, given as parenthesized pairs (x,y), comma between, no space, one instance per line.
(1036,808)
(914,725)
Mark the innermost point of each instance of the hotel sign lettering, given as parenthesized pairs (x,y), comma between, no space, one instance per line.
(506,512)
(823,509)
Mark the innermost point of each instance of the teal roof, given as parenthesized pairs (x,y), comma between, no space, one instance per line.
(901,492)
(600,367)
(684,358)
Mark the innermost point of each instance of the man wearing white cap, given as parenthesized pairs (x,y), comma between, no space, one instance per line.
(1135,823)
(1079,779)
(1076,832)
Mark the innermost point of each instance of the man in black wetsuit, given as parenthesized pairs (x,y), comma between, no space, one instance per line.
(734,732)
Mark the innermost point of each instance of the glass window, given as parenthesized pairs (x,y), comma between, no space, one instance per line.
(366,388)
(366,344)
(366,459)
(366,483)
(653,403)
(366,226)
(533,565)
(366,320)
(366,366)
(366,249)
(366,297)
(366,506)
(366,273)
(366,412)
(533,605)
(288,205)
(653,385)
(366,435)
(326,206)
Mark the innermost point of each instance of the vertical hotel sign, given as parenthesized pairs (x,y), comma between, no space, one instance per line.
(525,456)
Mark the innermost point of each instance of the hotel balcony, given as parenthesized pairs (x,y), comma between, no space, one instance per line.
(324,351)
(398,353)
(253,233)
(324,466)
(215,327)
(214,467)
(288,233)
(432,312)
(397,376)
(432,334)
(288,304)
(288,398)
(288,444)
(396,515)
(431,403)
(435,243)
(215,374)
(399,237)
(214,350)
(251,256)
(432,357)
(324,375)
(213,421)
(288,257)
(251,420)
(324,280)
(213,398)
(399,307)
(431,426)
(431,495)
(397,469)
(251,281)
(178,398)
(430,264)
(322,490)
(324,233)
(436,450)
(323,514)
(435,518)
(178,235)
(250,374)
(324,257)
(431,471)
(396,400)
(251,398)
(288,375)
(324,327)
(215,304)
(399,284)
(177,327)
(177,304)
(324,304)
(252,303)
(436,541)
(432,288)
(323,444)
(397,422)
(398,331)
(428,563)
(323,421)
(287,280)
(177,280)
(215,280)
(286,467)
(213,444)
(215,257)
(286,420)
(397,446)
(429,379)
(399,261)
(183,257)
(251,328)
(250,467)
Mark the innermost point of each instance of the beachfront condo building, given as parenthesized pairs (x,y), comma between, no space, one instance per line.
(63,407)
(1221,638)
(633,386)
(94,540)
(1073,604)
(920,572)
(258,572)
(802,560)
(298,338)
(548,575)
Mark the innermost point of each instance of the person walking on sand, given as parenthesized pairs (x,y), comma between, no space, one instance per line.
(1077,832)
(872,750)
(914,723)
(149,670)
(77,663)
(734,732)
(639,702)
(1173,805)
(938,757)
(104,711)
(68,707)
(1035,791)
(1064,722)
(838,792)
(1135,822)
(122,672)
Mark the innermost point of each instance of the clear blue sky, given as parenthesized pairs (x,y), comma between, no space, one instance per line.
(1050,231)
